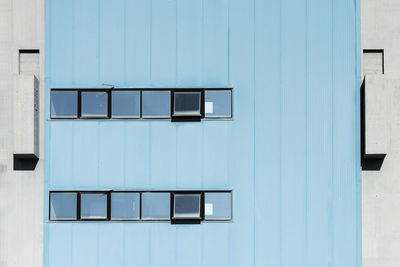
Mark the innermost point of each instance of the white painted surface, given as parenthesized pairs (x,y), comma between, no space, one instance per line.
(381,189)
(26,118)
(373,62)
(376,124)
(21,192)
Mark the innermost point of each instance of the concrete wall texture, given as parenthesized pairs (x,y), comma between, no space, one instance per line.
(21,192)
(291,153)
(381,189)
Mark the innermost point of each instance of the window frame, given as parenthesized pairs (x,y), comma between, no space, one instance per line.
(218,117)
(187,220)
(194,117)
(231,207)
(108,205)
(171,117)
(129,219)
(154,117)
(127,117)
(65,117)
(141,220)
(109,104)
(76,208)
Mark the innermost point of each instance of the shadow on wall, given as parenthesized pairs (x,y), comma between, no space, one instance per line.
(368,162)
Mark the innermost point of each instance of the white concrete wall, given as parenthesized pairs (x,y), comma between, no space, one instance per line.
(381,189)
(21,192)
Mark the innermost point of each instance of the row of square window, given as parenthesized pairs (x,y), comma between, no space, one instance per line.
(177,207)
(146,103)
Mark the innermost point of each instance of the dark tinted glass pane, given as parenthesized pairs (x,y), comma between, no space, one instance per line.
(187,103)
(218,103)
(156,104)
(63,206)
(125,104)
(94,104)
(93,206)
(187,206)
(64,104)
(125,206)
(218,206)
(155,206)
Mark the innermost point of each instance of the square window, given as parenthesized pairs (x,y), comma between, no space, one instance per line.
(63,206)
(187,103)
(94,104)
(218,206)
(94,206)
(126,104)
(156,206)
(187,206)
(125,206)
(218,103)
(64,104)
(156,104)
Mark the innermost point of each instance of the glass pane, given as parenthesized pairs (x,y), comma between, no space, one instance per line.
(187,103)
(63,206)
(125,206)
(218,206)
(156,104)
(94,104)
(125,104)
(187,206)
(64,104)
(93,206)
(155,206)
(218,103)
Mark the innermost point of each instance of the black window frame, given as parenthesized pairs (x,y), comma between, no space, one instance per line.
(171,117)
(76,208)
(187,220)
(195,117)
(128,219)
(171,193)
(77,105)
(154,117)
(109,104)
(126,117)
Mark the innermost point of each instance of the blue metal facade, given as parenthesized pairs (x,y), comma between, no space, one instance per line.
(291,153)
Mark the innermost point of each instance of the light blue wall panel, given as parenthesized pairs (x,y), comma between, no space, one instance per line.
(86,147)
(163,155)
(112,41)
(319,134)
(189,156)
(62,164)
(61,41)
(267,133)
(215,48)
(290,154)
(85,30)
(189,42)
(111,154)
(137,155)
(137,42)
(163,43)
(294,106)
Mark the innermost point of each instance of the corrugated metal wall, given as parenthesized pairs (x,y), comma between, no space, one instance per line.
(291,154)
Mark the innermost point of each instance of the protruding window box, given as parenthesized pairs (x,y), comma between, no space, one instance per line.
(187,106)
(187,208)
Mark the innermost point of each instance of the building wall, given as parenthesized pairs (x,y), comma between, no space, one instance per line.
(381,197)
(21,192)
(291,153)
